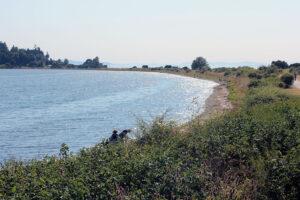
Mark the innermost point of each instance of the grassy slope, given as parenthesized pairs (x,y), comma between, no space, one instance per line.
(251,153)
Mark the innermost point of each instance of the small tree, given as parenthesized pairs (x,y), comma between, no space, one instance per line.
(199,63)
(145,67)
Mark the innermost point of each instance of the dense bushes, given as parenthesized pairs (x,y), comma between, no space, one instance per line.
(265,138)
(264,95)
(261,72)
(239,71)
(254,75)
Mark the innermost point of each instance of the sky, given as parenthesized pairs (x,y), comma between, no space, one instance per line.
(155,31)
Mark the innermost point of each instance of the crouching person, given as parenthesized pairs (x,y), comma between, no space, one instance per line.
(114,136)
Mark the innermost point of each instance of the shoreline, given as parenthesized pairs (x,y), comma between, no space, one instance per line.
(217,103)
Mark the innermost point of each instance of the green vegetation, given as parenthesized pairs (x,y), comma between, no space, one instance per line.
(280,64)
(295,68)
(235,93)
(15,58)
(287,79)
(250,153)
(264,95)
(200,64)
(92,63)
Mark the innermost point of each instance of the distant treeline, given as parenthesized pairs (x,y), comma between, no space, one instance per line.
(201,65)
(15,58)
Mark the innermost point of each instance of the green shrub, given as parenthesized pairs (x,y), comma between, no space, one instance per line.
(254,75)
(154,132)
(287,79)
(226,73)
(253,83)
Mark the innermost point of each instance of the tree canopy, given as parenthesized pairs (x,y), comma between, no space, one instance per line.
(22,57)
(199,63)
(92,63)
(295,65)
(280,64)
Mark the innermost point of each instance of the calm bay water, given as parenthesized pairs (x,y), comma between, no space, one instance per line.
(41,109)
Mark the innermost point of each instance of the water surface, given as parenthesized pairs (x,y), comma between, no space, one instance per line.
(41,109)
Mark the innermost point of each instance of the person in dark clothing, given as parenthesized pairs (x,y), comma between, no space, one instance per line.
(114,136)
(295,76)
(123,134)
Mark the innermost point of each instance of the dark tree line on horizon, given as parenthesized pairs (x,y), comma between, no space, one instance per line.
(18,57)
(15,58)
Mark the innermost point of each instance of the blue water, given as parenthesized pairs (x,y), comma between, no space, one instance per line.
(41,109)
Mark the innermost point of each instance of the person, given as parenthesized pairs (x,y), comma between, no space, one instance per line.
(295,76)
(123,134)
(114,136)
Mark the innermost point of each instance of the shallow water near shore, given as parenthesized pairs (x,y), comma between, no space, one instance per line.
(41,109)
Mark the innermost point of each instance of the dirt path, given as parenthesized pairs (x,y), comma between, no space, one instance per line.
(297,84)
(295,89)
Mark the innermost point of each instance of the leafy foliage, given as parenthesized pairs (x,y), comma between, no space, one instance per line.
(92,63)
(265,95)
(22,57)
(280,64)
(287,79)
(295,65)
(199,63)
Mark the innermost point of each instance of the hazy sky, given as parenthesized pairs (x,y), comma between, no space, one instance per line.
(155,31)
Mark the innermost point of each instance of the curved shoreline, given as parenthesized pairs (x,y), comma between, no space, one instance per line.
(214,105)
